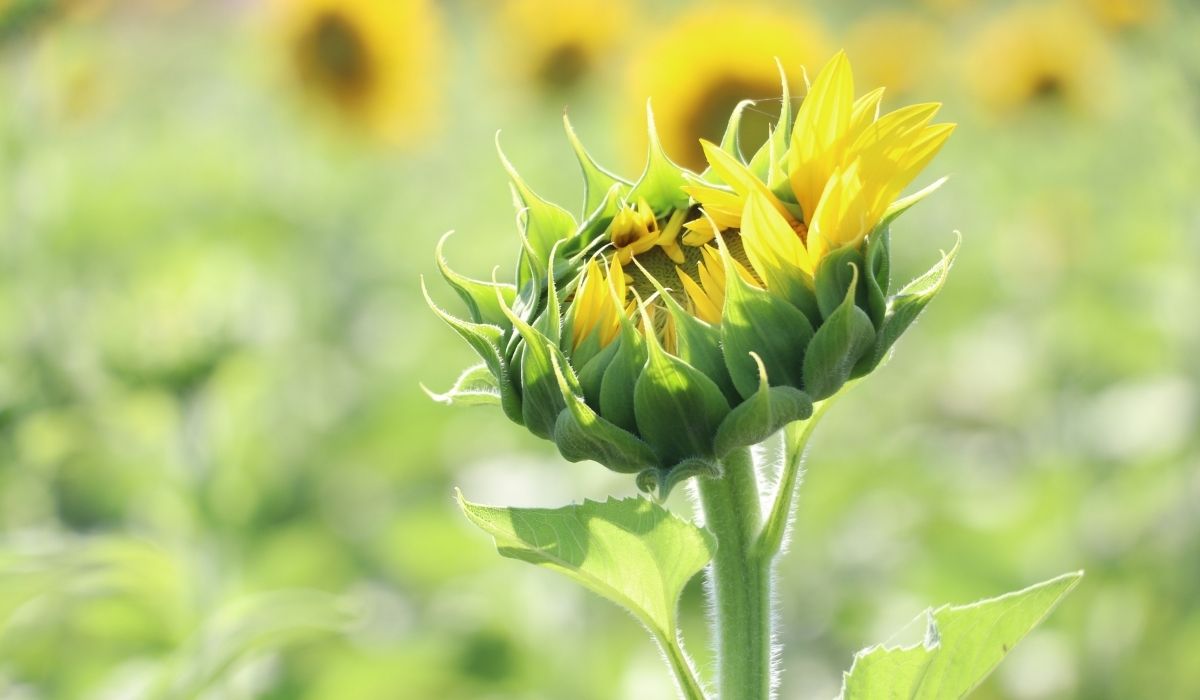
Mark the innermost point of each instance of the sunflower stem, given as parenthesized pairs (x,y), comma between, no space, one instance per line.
(739,581)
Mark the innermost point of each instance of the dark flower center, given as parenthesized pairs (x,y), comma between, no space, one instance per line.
(333,54)
(563,66)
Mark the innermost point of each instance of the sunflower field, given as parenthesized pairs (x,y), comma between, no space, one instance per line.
(227,469)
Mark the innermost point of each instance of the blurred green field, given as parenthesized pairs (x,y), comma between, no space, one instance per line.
(219,476)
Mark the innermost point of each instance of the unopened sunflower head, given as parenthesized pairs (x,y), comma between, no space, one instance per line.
(687,315)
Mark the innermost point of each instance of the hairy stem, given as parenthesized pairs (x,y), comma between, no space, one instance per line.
(739,581)
(681,667)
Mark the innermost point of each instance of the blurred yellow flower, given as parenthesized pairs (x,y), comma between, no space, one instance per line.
(697,70)
(374,61)
(557,43)
(1123,14)
(1032,53)
(894,49)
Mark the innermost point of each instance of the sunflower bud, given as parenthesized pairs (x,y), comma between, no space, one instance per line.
(690,315)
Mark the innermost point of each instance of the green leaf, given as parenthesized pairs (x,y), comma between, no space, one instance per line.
(476,386)
(678,409)
(762,415)
(479,296)
(661,183)
(909,302)
(632,552)
(597,182)
(756,321)
(963,645)
(846,336)
(581,434)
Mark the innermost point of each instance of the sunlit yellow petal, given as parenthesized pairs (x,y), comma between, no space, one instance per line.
(821,124)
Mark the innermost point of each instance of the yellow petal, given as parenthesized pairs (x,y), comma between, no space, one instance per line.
(818,136)
(739,177)
(771,244)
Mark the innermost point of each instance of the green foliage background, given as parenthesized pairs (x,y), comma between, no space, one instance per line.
(220,478)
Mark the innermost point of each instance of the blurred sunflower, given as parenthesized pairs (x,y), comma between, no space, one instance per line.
(697,71)
(373,61)
(557,44)
(1123,14)
(1037,53)
(894,49)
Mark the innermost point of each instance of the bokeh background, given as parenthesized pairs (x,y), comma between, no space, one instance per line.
(219,476)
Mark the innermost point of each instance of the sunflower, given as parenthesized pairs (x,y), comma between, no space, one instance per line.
(895,49)
(1037,53)
(558,44)
(696,71)
(683,308)
(1124,14)
(372,60)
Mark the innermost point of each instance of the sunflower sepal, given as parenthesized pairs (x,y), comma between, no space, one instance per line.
(616,388)
(836,276)
(591,373)
(485,339)
(662,181)
(598,183)
(697,343)
(677,408)
(596,224)
(541,400)
(662,481)
(765,161)
(877,276)
(906,305)
(479,296)
(731,143)
(761,416)
(476,386)
(582,434)
(756,321)
(838,345)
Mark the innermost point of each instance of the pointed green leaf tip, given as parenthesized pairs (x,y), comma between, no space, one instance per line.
(909,302)
(662,181)
(762,415)
(846,336)
(963,645)
(581,434)
(632,552)
(597,182)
